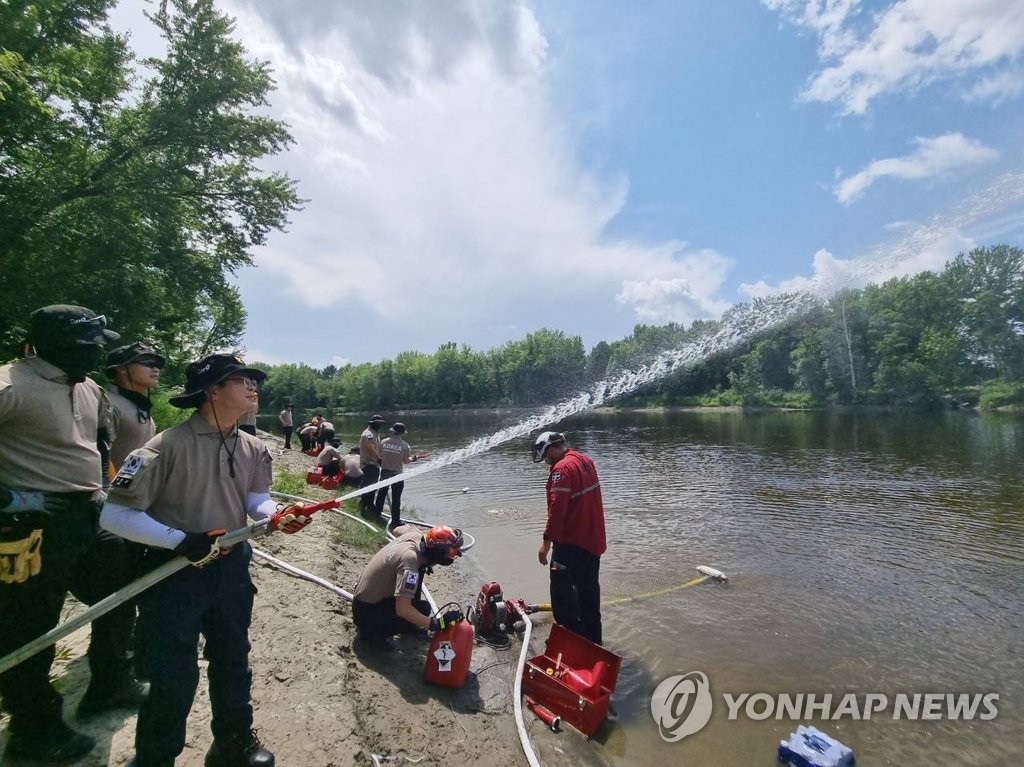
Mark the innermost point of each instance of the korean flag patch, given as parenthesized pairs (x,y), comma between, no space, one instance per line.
(412,580)
(129,469)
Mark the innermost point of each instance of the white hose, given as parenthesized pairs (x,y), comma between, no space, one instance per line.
(326,584)
(468,540)
(517,696)
(517,693)
(301,574)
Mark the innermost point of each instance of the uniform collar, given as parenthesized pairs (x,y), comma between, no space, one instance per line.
(199,425)
(47,370)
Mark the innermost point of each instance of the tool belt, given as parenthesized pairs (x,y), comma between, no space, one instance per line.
(20,557)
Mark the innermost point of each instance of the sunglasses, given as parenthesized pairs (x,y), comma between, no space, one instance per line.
(100,319)
(250,383)
(148,363)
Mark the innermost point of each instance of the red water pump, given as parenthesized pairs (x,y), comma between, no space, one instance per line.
(494,616)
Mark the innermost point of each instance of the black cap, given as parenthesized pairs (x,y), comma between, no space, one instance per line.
(207,372)
(126,355)
(63,324)
(377,419)
(398,428)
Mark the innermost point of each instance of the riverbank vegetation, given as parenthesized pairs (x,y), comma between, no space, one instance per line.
(956,335)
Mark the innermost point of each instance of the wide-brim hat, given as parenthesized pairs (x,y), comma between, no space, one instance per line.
(377,419)
(398,428)
(210,371)
(62,324)
(126,355)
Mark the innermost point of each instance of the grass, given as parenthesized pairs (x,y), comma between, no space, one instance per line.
(351,533)
(291,483)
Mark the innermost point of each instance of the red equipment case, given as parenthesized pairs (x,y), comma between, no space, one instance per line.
(314,475)
(574,678)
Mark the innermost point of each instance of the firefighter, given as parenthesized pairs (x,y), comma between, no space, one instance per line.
(574,535)
(387,598)
(176,495)
(51,478)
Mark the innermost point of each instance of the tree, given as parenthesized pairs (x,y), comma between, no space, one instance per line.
(136,202)
(989,285)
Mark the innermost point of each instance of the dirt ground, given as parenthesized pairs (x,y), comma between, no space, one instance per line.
(316,700)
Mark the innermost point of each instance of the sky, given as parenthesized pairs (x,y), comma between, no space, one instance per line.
(475,171)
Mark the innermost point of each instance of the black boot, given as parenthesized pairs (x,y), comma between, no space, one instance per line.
(59,744)
(244,750)
(128,692)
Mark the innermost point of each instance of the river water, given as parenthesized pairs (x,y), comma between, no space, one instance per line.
(868,552)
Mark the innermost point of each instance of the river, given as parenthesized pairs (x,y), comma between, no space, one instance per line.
(873,553)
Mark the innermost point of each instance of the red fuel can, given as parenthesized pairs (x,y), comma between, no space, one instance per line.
(450,653)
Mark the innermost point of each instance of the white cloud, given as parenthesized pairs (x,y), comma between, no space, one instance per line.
(680,299)
(442,181)
(933,156)
(926,248)
(909,44)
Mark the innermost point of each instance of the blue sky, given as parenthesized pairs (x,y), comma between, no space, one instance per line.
(476,170)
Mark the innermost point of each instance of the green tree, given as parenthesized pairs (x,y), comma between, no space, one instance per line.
(989,286)
(138,200)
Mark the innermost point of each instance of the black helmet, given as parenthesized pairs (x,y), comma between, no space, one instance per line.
(543,442)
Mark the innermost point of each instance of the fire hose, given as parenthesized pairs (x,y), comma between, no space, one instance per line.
(122,595)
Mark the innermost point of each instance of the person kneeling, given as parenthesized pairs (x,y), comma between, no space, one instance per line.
(387,598)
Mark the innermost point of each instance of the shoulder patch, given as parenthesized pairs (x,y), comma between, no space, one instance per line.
(412,579)
(132,466)
(556,476)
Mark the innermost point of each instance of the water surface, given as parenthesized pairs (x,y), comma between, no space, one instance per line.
(867,553)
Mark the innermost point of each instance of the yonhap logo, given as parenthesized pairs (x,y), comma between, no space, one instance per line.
(681,705)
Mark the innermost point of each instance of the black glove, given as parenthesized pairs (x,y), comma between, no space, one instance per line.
(451,616)
(200,548)
(32,501)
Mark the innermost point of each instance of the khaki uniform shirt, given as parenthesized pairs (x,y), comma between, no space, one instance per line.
(394,571)
(48,429)
(366,439)
(182,479)
(127,432)
(393,452)
(352,468)
(328,455)
(285,417)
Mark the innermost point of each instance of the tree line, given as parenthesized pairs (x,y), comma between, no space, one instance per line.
(910,340)
(134,187)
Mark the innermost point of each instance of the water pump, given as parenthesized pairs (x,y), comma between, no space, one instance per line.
(495,617)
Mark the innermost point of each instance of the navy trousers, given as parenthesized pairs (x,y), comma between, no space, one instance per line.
(576,591)
(215,601)
(75,559)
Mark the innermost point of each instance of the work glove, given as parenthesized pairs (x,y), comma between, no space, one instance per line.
(21,559)
(201,548)
(289,518)
(451,616)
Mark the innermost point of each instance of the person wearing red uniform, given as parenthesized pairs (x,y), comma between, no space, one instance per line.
(574,535)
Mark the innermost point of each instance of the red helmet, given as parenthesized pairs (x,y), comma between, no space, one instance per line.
(441,544)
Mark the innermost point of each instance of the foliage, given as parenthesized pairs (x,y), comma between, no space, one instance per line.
(165,415)
(1002,394)
(136,197)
